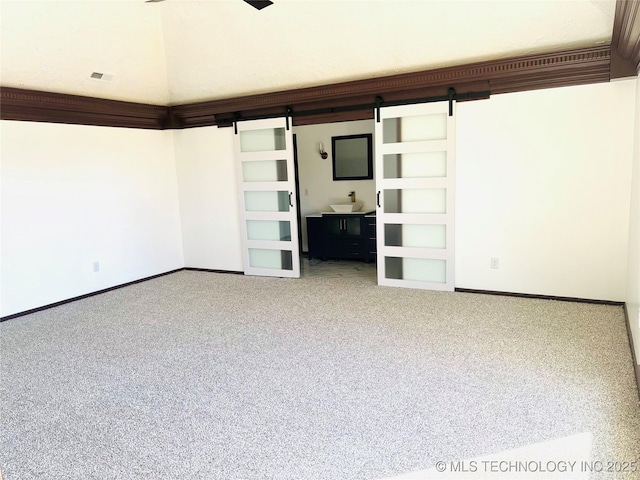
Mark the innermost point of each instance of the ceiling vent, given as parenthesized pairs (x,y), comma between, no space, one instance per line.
(103,77)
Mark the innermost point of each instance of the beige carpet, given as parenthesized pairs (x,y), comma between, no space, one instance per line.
(213,376)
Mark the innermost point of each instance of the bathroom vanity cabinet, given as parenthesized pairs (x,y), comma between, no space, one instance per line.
(342,236)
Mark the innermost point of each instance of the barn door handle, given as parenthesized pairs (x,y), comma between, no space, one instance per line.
(290,203)
(378,198)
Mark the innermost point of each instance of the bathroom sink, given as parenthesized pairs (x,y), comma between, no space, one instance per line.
(347,207)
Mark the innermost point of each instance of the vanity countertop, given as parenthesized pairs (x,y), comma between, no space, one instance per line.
(363,212)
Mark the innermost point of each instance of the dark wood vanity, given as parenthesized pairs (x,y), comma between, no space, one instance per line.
(342,236)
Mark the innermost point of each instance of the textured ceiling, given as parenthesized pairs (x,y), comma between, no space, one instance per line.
(182,51)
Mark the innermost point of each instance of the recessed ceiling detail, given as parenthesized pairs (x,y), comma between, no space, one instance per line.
(324,104)
(189,51)
(625,41)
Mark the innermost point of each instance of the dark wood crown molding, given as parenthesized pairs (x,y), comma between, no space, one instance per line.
(561,68)
(528,72)
(625,40)
(37,106)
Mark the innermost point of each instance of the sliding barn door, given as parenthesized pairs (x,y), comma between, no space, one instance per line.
(415,180)
(266,180)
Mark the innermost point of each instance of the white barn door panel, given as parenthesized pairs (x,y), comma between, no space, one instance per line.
(268,212)
(415,182)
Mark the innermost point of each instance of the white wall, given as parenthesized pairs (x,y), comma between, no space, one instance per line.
(208,198)
(633,285)
(543,184)
(74,195)
(317,188)
(209,195)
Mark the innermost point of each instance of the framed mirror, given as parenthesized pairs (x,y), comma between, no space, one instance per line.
(352,157)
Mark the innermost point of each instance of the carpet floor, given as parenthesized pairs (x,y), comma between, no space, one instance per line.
(199,375)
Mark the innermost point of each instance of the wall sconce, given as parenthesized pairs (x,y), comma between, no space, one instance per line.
(323,154)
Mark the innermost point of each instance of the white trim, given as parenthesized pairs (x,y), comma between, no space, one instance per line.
(415,284)
(403,183)
(266,156)
(266,272)
(413,147)
(416,252)
(418,218)
(265,186)
(282,216)
(271,244)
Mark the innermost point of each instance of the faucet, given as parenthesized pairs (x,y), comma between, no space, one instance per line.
(353,196)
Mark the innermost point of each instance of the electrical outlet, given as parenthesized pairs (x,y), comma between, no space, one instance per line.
(96,266)
(495,262)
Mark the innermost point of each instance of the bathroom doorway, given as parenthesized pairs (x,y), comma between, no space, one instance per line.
(411,199)
(316,190)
